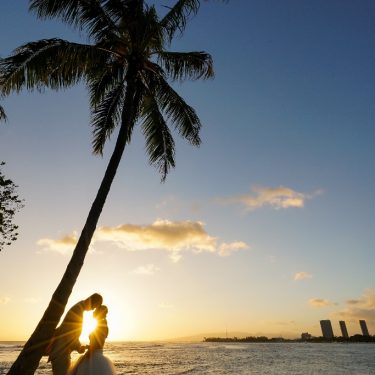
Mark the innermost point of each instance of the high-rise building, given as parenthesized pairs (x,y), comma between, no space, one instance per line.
(364,329)
(327,330)
(344,330)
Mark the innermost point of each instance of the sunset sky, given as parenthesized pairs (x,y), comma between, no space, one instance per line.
(267,228)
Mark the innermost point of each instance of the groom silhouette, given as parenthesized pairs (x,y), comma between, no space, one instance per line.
(66,337)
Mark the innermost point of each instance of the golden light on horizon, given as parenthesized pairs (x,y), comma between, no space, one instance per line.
(89,324)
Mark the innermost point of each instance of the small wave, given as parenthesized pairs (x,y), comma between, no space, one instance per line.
(235,347)
(10,346)
(188,371)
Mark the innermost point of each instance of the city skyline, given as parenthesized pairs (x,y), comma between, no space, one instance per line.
(328,331)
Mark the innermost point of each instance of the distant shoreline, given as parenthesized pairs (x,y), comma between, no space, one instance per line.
(264,339)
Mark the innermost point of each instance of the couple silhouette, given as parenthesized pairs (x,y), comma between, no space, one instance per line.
(66,340)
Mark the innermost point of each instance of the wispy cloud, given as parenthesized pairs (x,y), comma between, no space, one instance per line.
(302,276)
(321,302)
(226,249)
(361,308)
(63,246)
(4,300)
(274,197)
(161,234)
(175,237)
(147,270)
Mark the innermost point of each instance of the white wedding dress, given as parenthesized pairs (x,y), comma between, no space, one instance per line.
(94,363)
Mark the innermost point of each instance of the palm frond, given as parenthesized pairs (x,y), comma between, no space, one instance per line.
(67,10)
(3,116)
(84,14)
(187,65)
(176,110)
(53,63)
(178,16)
(159,141)
(117,106)
(104,80)
(106,116)
(122,9)
(98,23)
(149,35)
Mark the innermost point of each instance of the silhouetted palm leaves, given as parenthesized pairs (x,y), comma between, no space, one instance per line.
(2,114)
(129,42)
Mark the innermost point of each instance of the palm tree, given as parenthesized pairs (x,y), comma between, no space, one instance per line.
(126,67)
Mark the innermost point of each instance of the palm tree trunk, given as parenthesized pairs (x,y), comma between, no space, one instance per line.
(29,358)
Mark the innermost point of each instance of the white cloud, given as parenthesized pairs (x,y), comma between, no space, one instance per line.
(171,236)
(320,302)
(302,276)
(62,246)
(226,249)
(361,308)
(175,256)
(175,237)
(148,270)
(4,300)
(275,197)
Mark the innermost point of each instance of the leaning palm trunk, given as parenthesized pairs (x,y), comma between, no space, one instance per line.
(29,358)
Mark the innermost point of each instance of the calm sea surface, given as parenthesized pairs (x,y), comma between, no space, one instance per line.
(224,358)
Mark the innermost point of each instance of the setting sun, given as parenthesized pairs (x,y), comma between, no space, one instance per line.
(89,324)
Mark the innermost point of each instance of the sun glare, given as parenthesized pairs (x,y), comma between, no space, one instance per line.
(89,324)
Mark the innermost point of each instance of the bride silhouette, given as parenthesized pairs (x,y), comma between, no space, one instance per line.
(93,362)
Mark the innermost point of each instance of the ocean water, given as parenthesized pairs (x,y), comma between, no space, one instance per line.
(226,358)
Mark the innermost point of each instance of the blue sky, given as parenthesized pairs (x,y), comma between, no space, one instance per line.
(290,111)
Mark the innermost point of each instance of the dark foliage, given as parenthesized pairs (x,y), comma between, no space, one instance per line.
(10,203)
